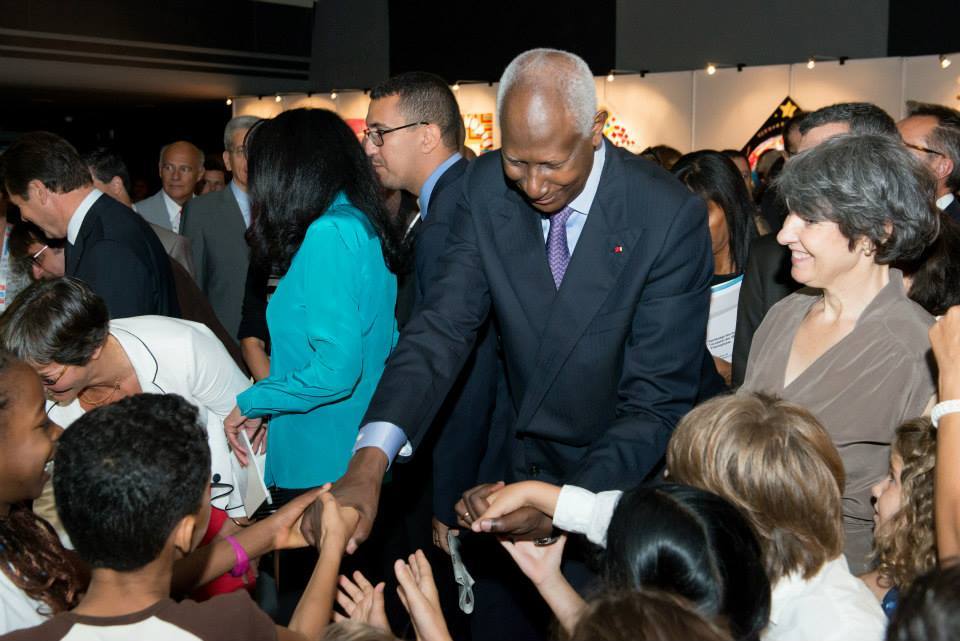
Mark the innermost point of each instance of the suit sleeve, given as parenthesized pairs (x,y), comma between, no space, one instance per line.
(120,278)
(333,330)
(191,228)
(438,340)
(662,358)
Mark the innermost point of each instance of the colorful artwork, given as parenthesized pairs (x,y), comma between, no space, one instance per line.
(770,134)
(617,133)
(479,131)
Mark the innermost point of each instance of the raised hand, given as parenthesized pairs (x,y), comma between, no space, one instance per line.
(419,596)
(362,602)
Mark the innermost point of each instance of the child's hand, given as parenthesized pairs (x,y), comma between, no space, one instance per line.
(362,602)
(337,523)
(419,596)
(536,494)
(540,564)
(285,522)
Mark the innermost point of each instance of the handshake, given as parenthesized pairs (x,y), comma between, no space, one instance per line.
(517,512)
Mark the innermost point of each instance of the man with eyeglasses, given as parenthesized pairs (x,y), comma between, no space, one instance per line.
(216,224)
(181,168)
(932,133)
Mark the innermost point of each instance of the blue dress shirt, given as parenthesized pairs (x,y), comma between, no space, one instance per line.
(389,438)
(243,199)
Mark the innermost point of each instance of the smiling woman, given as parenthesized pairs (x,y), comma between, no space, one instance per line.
(851,347)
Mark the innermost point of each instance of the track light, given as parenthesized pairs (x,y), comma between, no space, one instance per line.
(610,77)
(333,95)
(811,63)
(944,61)
(456,86)
(278,98)
(711,69)
(229,101)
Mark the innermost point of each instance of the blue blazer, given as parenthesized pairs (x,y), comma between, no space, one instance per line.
(331,328)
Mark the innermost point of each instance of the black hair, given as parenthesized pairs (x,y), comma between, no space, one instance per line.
(105,163)
(31,555)
(43,156)
(792,123)
(861,117)
(297,163)
(935,275)
(55,321)
(694,544)
(713,176)
(645,615)
(24,234)
(425,97)
(127,473)
(663,155)
(930,609)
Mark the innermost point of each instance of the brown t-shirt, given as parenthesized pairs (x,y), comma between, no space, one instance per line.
(230,617)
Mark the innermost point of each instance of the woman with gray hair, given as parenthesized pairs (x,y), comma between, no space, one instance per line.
(850,346)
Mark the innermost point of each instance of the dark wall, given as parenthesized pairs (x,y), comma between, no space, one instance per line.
(222,24)
(476,40)
(924,28)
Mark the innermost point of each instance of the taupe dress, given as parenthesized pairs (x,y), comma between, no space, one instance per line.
(861,389)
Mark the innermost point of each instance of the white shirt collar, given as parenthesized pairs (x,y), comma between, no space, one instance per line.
(173,211)
(944,201)
(76,220)
(584,201)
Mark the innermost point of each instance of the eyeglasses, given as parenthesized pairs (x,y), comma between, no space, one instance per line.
(50,382)
(376,135)
(925,150)
(36,260)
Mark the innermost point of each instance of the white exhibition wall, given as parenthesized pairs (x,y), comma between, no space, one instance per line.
(692,110)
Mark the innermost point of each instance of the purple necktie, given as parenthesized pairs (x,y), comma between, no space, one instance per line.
(558,254)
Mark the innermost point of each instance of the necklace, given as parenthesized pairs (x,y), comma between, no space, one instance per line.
(111,392)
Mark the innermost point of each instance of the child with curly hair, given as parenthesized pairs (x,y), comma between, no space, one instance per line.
(904,545)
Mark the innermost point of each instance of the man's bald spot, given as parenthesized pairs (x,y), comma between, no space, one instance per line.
(183,146)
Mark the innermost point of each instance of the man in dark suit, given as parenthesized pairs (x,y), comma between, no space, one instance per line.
(216,225)
(932,132)
(109,246)
(425,161)
(602,359)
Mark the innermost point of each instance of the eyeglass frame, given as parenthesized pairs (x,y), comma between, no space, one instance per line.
(46,382)
(378,134)
(926,150)
(35,258)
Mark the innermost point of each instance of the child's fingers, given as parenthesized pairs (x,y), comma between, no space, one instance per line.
(352,590)
(362,582)
(345,602)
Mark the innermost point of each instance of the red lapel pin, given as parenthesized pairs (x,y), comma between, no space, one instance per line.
(618,249)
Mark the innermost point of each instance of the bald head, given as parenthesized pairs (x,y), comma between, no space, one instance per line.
(181,167)
(560,80)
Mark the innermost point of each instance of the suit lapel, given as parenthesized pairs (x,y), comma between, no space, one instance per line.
(605,246)
(519,238)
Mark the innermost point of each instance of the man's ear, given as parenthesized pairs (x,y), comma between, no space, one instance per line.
(226,160)
(116,186)
(596,131)
(182,535)
(430,138)
(36,189)
(943,167)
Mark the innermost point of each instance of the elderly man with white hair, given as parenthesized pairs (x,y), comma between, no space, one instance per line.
(596,266)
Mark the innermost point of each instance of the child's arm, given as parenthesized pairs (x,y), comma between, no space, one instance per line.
(316,604)
(419,596)
(945,339)
(541,564)
(279,531)
(536,494)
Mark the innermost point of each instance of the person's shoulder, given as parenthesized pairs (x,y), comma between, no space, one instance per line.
(232,616)
(908,326)
(211,203)
(796,303)
(485,173)
(342,222)
(53,629)
(151,201)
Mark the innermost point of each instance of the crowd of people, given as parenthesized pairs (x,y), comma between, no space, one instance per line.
(559,391)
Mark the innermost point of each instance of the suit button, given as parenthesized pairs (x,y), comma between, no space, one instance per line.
(534,470)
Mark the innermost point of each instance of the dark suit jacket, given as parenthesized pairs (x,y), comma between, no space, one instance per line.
(463,422)
(599,371)
(766,281)
(120,257)
(953,210)
(214,224)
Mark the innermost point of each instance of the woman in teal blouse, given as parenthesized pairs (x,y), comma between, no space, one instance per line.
(319,221)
